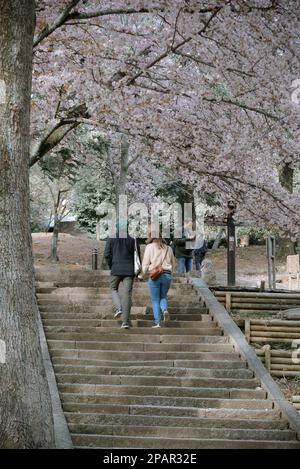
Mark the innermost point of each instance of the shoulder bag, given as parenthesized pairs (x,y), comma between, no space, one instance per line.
(155,273)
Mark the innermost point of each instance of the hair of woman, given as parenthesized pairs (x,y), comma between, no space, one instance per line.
(160,241)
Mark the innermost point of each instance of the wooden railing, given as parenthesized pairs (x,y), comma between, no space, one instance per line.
(265,303)
(280,363)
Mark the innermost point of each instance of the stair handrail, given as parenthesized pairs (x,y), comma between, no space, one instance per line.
(238,339)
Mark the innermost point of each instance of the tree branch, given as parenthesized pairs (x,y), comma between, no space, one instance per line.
(173,49)
(233,177)
(126,11)
(51,137)
(57,23)
(175,26)
(243,106)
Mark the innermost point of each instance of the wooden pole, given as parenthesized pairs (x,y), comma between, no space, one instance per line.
(228,302)
(268,357)
(247,330)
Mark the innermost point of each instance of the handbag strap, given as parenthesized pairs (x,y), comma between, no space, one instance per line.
(167,249)
(136,249)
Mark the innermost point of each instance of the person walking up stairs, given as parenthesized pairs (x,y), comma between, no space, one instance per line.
(159,259)
(119,255)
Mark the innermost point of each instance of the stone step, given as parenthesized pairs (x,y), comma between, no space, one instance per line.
(135,323)
(160,395)
(141,356)
(119,336)
(138,346)
(192,364)
(71,404)
(206,331)
(179,385)
(71,295)
(90,394)
(110,315)
(183,385)
(97,430)
(106,303)
(105,282)
(44,288)
(80,272)
(108,309)
(195,422)
(155,371)
(110,441)
(86,273)
(96,293)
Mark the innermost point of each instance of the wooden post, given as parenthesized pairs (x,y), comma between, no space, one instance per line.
(247,330)
(228,302)
(268,357)
(262,285)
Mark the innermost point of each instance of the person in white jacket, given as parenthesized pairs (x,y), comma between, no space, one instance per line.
(157,253)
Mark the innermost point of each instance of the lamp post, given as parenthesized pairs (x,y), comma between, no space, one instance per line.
(231,244)
(94,259)
(270,242)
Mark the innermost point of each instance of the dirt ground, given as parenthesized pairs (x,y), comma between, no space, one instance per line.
(251,263)
(251,268)
(72,250)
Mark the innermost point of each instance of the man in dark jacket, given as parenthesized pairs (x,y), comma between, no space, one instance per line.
(119,255)
(183,251)
(183,255)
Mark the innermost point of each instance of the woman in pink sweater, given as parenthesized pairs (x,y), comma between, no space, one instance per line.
(157,253)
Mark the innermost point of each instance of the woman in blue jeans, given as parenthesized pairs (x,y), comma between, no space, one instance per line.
(157,253)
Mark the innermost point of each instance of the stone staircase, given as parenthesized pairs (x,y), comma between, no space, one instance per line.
(181,386)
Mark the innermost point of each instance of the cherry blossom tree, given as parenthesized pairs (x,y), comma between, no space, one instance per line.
(205,84)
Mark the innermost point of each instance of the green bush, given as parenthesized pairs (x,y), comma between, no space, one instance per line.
(94,185)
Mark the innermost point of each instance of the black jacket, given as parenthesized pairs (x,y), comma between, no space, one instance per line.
(180,250)
(119,255)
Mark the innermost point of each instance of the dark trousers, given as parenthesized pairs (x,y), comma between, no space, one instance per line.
(125,302)
(199,256)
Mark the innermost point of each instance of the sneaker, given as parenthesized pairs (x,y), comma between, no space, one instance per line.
(166,315)
(118,313)
(156,326)
(125,325)
(188,276)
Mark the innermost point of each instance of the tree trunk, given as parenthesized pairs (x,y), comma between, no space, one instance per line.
(54,242)
(218,239)
(285,246)
(121,184)
(25,413)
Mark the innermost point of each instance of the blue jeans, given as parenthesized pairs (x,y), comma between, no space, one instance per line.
(158,291)
(184,265)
